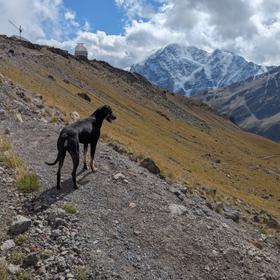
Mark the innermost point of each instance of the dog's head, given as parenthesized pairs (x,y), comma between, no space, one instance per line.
(106,113)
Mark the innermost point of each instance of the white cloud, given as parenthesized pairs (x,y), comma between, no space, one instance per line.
(70,16)
(250,28)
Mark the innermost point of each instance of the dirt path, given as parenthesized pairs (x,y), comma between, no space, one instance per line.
(126,228)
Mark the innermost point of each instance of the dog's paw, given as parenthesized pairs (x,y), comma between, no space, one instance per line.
(94,169)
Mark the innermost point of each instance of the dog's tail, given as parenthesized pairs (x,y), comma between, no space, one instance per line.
(61,150)
(53,163)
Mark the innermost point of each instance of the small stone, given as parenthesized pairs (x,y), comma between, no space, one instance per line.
(132,205)
(31,260)
(56,213)
(19,225)
(55,233)
(215,253)
(61,264)
(7,245)
(2,114)
(7,131)
(69,276)
(19,117)
(174,190)
(118,176)
(177,210)
(137,232)
(59,222)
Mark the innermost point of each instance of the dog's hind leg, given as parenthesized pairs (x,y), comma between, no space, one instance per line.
(92,152)
(73,148)
(85,156)
(61,161)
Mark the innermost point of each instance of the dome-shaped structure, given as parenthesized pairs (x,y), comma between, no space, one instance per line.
(81,50)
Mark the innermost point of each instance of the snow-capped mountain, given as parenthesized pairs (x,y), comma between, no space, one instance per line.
(188,70)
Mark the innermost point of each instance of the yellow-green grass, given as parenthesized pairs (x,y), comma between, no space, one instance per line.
(82,273)
(22,275)
(22,239)
(70,208)
(16,257)
(177,146)
(3,271)
(25,181)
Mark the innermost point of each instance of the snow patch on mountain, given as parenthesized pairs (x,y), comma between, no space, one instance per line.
(189,70)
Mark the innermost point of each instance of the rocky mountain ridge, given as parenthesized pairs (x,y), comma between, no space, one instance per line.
(190,70)
(253,105)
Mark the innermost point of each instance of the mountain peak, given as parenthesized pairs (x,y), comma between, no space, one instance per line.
(188,69)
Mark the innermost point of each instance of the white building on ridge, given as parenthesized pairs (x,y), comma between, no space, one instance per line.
(80,50)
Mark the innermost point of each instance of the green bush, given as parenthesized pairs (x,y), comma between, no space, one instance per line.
(28,182)
(70,208)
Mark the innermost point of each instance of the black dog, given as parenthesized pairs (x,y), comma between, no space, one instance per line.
(85,131)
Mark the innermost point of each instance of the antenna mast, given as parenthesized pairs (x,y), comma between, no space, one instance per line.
(17,27)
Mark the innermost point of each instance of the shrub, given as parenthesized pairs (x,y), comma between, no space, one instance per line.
(27,182)
(21,239)
(16,257)
(4,145)
(82,273)
(46,254)
(22,275)
(10,160)
(70,208)
(54,119)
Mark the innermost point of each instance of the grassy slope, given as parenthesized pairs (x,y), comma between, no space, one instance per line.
(181,147)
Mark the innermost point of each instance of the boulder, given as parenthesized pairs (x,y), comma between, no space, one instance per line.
(31,260)
(7,245)
(84,96)
(13,269)
(233,215)
(177,209)
(150,165)
(19,225)
(51,77)
(272,223)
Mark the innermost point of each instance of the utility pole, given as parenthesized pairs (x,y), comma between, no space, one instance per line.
(19,28)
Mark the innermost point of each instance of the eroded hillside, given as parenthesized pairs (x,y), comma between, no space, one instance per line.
(189,142)
(252,104)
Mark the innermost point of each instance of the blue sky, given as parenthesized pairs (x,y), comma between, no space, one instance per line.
(123,32)
(102,14)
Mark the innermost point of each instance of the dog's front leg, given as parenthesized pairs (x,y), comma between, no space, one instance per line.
(92,152)
(85,156)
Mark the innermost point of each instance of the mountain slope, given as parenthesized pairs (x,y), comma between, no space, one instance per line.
(254,104)
(189,142)
(134,227)
(188,70)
